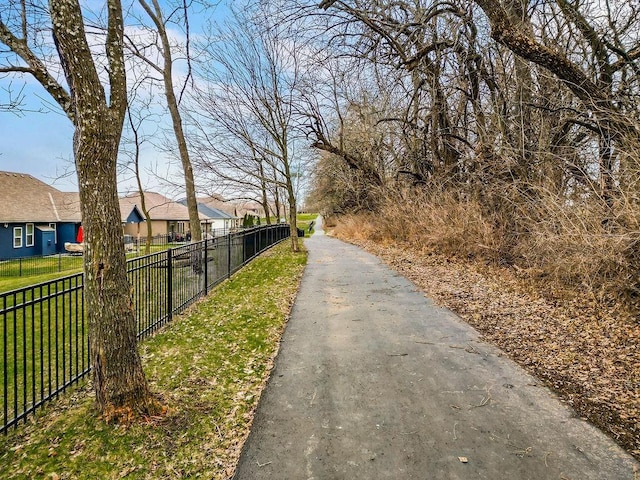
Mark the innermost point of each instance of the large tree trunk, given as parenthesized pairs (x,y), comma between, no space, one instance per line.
(119,380)
(117,369)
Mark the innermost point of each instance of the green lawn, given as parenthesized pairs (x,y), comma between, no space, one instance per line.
(46,340)
(208,367)
(34,266)
(40,269)
(46,336)
(7,284)
(44,269)
(304,219)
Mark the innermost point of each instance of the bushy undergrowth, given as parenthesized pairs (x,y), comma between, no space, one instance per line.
(565,246)
(571,248)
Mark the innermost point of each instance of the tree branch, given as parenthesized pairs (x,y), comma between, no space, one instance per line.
(36,68)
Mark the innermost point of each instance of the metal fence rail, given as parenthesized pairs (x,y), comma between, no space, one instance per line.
(29,266)
(44,348)
(68,262)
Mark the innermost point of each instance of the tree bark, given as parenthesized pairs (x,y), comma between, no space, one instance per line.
(507,31)
(117,368)
(189,181)
(119,379)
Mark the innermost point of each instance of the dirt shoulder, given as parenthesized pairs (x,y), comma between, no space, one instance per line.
(588,356)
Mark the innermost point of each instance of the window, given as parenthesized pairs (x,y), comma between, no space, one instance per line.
(55,233)
(17,237)
(29,236)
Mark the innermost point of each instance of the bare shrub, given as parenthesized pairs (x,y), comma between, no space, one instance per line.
(442,222)
(358,227)
(568,245)
(562,245)
(428,222)
(329,221)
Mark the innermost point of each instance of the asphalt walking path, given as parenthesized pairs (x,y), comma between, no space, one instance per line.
(374,381)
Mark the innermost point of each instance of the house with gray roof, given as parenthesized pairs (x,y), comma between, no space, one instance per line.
(167,217)
(218,222)
(36,219)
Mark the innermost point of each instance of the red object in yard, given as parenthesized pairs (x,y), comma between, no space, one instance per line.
(80,237)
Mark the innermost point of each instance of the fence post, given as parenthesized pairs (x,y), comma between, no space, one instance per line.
(59,262)
(169,285)
(229,256)
(206,266)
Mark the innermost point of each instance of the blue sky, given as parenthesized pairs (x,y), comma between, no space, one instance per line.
(40,143)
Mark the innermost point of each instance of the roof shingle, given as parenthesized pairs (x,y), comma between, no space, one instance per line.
(24,198)
(159,207)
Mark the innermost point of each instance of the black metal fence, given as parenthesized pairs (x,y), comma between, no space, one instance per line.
(170,239)
(65,262)
(44,347)
(29,266)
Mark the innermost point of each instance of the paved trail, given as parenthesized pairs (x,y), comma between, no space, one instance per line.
(373,381)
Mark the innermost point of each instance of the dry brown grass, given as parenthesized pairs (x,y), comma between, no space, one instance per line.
(570,249)
(564,248)
(429,223)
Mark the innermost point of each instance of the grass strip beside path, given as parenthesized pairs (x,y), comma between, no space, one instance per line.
(209,367)
(304,219)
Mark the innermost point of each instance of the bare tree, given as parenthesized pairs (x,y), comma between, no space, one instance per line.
(256,71)
(138,114)
(228,142)
(119,380)
(164,67)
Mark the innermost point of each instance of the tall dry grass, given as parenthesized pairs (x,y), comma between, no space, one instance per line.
(440,223)
(563,245)
(576,249)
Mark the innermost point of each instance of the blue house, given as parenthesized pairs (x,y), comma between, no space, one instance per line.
(37,219)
